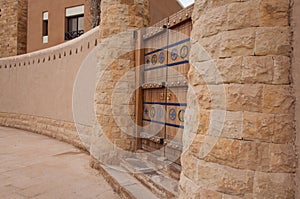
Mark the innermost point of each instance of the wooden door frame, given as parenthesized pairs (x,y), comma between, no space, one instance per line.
(139,61)
(174,20)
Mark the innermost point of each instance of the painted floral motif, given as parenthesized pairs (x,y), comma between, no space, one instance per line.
(184,51)
(154,59)
(152,112)
(174,54)
(147,60)
(172,114)
(181,115)
(161,58)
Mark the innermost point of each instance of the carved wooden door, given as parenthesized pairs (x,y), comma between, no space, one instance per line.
(164,90)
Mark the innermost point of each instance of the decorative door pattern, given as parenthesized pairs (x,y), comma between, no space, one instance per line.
(164,90)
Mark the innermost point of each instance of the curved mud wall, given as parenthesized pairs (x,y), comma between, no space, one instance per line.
(36,88)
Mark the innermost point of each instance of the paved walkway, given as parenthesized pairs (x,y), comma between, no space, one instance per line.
(35,166)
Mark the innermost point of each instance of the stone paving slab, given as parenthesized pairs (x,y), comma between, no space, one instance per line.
(128,183)
(35,166)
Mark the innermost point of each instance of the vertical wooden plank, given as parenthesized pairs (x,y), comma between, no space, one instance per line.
(177,72)
(139,57)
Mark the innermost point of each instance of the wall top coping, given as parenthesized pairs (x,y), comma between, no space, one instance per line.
(90,35)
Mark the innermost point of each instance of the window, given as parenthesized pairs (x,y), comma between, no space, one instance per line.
(45,27)
(74,22)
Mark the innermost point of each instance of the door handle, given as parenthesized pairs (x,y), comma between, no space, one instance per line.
(162,96)
(169,95)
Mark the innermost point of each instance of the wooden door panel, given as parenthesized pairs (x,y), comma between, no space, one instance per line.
(155,59)
(176,105)
(175,113)
(179,49)
(164,91)
(153,120)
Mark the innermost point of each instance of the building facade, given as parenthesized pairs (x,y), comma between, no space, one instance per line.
(252,45)
(30,25)
(53,22)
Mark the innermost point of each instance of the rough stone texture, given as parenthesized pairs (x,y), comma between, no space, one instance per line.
(188,188)
(273,41)
(278,99)
(204,193)
(225,152)
(233,125)
(295,71)
(273,185)
(282,158)
(13,23)
(281,71)
(274,13)
(212,22)
(257,69)
(248,42)
(116,61)
(245,97)
(258,126)
(238,43)
(241,15)
(120,15)
(224,179)
(210,44)
(254,156)
(230,69)
(60,130)
(283,129)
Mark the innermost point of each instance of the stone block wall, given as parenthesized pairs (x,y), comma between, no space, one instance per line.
(244,75)
(58,129)
(22,11)
(296,82)
(13,23)
(119,19)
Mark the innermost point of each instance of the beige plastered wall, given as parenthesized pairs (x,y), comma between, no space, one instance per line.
(37,88)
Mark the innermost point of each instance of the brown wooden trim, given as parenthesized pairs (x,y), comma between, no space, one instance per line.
(170,22)
(139,57)
(180,17)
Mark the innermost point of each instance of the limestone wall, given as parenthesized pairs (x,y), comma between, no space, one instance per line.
(36,88)
(13,23)
(249,45)
(119,18)
(296,82)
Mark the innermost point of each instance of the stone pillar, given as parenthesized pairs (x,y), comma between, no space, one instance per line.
(296,82)
(121,15)
(13,31)
(249,46)
(119,19)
